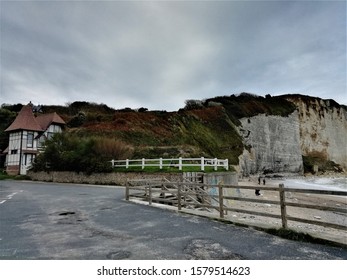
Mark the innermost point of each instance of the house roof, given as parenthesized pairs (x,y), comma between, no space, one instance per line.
(45,120)
(26,120)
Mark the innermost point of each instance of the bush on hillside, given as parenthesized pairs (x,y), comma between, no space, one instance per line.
(192,104)
(66,152)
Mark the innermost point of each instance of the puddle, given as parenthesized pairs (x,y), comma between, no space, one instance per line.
(66,213)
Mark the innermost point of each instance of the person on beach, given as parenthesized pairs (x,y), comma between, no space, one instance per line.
(257,191)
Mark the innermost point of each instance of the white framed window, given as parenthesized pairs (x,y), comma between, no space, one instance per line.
(30,139)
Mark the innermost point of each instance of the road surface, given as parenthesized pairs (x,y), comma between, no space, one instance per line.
(83,222)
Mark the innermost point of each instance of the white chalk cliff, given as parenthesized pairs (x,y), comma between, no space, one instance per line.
(276,144)
(323,129)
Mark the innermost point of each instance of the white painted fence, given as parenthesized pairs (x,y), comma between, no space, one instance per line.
(173,162)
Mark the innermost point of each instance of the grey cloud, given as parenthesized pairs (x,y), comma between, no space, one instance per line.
(158,54)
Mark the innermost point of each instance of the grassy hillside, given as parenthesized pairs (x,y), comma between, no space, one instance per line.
(204,132)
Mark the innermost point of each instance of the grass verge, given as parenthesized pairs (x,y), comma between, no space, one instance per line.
(5,176)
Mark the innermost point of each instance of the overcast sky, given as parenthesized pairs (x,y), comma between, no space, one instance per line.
(157,54)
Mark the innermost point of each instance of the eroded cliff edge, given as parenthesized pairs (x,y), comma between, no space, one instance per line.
(323,128)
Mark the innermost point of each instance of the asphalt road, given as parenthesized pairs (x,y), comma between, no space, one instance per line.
(66,221)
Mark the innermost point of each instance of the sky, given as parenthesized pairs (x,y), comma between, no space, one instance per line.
(158,54)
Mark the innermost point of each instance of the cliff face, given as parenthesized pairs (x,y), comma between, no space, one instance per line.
(316,129)
(323,129)
(272,144)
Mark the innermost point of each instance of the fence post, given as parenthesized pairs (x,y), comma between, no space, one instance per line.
(150,195)
(112,161)
(180,163)
(127,163)
(126,190)
(202,163)
(226,164)
(179,197)
(283,206)
(143,163)
(215,164)
(220,194)
(161,163)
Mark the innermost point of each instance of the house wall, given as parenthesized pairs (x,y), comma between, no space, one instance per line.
(52,129)
(22,149)
(12,158)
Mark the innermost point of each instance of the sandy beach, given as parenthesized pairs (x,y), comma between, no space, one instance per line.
(310,214)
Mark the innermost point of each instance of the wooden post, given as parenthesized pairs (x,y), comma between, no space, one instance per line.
(150,195)
(161,163)
(202,163)
(112,161)
(143,163)
(179,197)
(180,163)
(127,163)
(283,206)
(220,194)
(126,190)
(226,164)
(215,164)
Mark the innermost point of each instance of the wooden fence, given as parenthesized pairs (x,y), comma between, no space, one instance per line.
(184,194)
(173,162)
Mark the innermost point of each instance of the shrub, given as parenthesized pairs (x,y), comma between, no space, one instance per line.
(66,152)
(192,104)
(112,149)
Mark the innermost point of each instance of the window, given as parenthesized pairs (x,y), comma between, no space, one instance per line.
(41,141)
(30,139)
(14,152)
(28,159)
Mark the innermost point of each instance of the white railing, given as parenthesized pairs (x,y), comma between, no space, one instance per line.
(173,162)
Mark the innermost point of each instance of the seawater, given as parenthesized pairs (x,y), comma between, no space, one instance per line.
(318,183)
